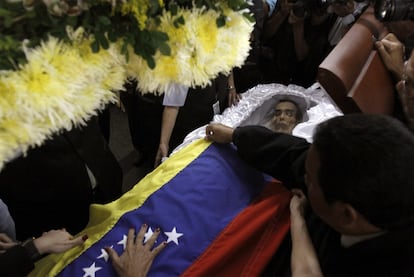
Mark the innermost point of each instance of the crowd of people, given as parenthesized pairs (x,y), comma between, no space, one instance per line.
(352,212)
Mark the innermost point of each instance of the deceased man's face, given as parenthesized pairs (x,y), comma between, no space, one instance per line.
(284,118)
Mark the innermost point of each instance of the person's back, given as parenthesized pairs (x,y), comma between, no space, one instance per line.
(144,111)
(51,187)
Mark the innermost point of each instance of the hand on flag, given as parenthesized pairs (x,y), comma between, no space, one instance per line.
(138,255)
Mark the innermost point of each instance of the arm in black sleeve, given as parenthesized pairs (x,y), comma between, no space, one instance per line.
(16,261)
(280,155)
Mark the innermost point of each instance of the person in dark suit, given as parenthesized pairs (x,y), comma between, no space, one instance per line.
(144,112)
(53,185)
(358,177)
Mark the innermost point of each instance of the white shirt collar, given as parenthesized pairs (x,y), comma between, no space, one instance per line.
(349,240)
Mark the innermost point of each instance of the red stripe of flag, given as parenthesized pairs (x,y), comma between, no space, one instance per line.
(247,244)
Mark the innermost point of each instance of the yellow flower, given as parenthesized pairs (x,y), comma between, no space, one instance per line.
(138,8)
(199,50)
(61,85)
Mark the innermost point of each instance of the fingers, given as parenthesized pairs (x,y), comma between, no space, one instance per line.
(297,192)
(393,46)
(131,238)
(159,248)
(77,241)
(390,43)
(409,70)
(141,233)
(158,157)
(391,37)
(5,238)
(161,153)
(112,255)
(234,98)
(137,241)
(230,101)
(384,52)
(401,90)
(137,260)
(6,245)
(209,131)
(387,44)
(150,243)
(219,133)
(212,130)
(380,47)
(157,161)
(153,238)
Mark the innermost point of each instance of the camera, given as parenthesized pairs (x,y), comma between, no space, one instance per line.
(341,2)
(299,8)
(302,7)
(394,10)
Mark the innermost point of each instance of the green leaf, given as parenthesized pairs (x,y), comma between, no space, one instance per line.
(173,8)
(8,22)
(179,21)
(112,36)
(130,39)
(159,36)
(105,21)
(124,48)
(165,49)
(209,4)
(150,61)
(153,7)
(95,46)
(221,21)
(249,17)
(199,3)
(100,37)
(137,50)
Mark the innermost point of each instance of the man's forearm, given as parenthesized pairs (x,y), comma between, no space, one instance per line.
(169,117)
(304,261)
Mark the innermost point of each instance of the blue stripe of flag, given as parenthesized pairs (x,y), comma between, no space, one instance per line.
(197,203)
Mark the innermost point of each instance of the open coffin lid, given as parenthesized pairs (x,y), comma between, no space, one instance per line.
(353,73)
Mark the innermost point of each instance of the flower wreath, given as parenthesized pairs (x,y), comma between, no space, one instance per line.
(62,60)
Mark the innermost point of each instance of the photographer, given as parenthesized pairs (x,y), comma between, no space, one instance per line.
(348,11)
(392,54)
(396,52)
(296,41)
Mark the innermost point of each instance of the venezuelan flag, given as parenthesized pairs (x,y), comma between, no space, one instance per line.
(219,216)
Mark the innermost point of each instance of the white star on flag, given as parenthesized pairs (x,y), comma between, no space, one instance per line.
(104,254)
(173,235)
(123,241)
(148,234)
(90,271)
